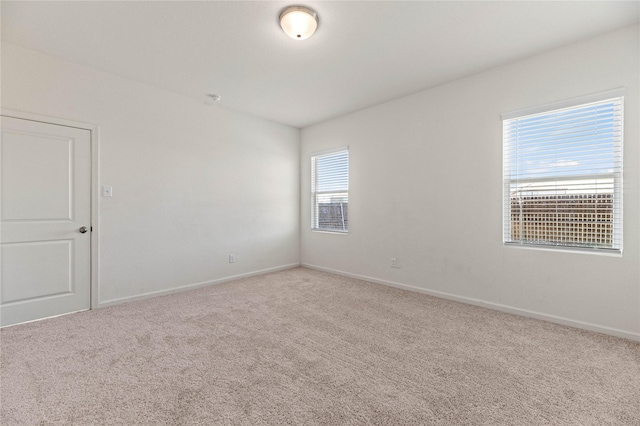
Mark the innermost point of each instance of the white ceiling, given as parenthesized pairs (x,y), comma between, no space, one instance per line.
(363,53)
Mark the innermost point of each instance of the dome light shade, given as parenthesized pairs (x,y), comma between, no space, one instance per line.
(298,22)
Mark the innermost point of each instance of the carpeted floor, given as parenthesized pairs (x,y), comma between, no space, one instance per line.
(306,347)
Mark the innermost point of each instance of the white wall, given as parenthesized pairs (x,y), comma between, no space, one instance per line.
(191,183)
(426,186)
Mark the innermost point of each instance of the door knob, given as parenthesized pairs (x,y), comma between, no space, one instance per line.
(83,229)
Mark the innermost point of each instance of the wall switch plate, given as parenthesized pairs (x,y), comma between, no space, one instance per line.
(395,263)
(107,191)
(232,258)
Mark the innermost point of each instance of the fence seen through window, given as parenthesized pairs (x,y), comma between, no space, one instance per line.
(574,219)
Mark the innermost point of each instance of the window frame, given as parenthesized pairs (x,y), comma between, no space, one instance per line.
(315,227)
(616,176)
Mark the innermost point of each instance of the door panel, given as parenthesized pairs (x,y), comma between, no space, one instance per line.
(45,173)
(52,277)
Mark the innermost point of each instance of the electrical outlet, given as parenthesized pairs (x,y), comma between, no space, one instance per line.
(395,263)
(232,258)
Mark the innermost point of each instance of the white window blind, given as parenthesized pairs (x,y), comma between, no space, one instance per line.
(563,176)
(330,191)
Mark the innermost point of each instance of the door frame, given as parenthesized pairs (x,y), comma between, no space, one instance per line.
(94,131)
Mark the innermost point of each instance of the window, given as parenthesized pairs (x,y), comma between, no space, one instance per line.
(563,175)
(330,190)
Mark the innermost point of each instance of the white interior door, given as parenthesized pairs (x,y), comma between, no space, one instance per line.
(45,172)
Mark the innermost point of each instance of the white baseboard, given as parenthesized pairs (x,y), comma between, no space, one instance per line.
(148,295)
(490,305)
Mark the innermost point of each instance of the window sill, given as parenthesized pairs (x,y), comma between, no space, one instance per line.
(326,231)
(578,250)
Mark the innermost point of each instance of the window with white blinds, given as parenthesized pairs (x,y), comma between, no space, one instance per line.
(330,190)
(563,176)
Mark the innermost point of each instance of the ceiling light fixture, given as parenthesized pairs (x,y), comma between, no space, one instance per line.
(299,22)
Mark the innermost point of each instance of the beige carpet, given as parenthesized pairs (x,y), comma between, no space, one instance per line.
(306,347)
